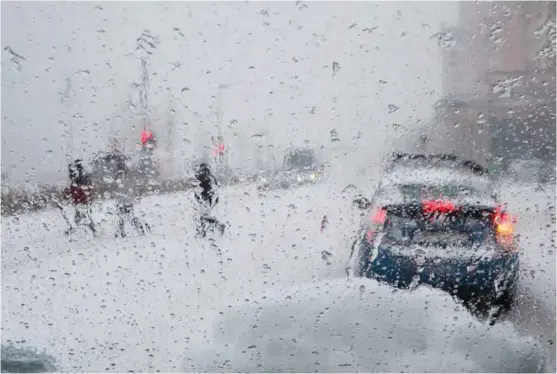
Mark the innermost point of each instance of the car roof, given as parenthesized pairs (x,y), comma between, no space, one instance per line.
(435,170)
(445,159)
(434,176)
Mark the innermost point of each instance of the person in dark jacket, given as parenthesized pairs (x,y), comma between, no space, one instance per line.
(205,194)
(79,194)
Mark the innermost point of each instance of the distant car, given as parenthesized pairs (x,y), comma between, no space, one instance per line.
(106,167)
(435,220)
(299,167)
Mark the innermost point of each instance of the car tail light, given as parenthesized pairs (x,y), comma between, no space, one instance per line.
(439,206)
(377,219)
(504,226)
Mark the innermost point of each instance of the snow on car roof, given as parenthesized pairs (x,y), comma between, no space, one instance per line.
(480,186)
(455,162)
(440,175)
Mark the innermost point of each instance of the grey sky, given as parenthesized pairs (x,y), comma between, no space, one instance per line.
(80,63)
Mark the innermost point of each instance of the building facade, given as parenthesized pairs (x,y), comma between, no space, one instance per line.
(499,83)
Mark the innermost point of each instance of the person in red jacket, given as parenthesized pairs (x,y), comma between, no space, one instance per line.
(79,194)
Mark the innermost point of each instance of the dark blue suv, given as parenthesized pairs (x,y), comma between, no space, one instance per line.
(459,241)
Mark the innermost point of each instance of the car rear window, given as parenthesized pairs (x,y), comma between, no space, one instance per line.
(437,230)
(419,192)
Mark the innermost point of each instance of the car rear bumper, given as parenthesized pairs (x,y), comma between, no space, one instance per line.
(489,278)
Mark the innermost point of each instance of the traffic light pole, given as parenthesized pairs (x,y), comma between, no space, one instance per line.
(220,158)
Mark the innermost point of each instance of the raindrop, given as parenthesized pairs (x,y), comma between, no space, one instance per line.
(504,87)
(324,223)
(369,30)
(362,290)
(393,108)
(336,67)
(300,5)
(445,39)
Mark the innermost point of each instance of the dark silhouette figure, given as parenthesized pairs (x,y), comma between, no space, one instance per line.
(80,195)
(205,194)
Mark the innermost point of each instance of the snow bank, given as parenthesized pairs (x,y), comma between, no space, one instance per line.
(348,326)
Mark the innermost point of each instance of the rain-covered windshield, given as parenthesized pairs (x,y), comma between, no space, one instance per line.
(235,158)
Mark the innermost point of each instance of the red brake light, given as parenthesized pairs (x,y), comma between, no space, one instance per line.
(441,206)
(504,228)
(379,216)
(501,217)
(377,219)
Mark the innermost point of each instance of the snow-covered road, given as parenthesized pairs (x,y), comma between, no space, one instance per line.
(145,296)
(137,303)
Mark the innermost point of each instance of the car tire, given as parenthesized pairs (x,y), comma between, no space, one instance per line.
(508,298)
(503,305)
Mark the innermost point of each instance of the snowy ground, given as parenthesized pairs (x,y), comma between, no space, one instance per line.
(535,209)
(135,304)
(357,325)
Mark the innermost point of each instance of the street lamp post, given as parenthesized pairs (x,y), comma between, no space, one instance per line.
(170,144)
(219,108)
(220,129)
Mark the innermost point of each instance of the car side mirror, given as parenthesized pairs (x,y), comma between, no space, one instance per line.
(361,203)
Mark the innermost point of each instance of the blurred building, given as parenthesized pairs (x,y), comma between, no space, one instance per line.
(499,82)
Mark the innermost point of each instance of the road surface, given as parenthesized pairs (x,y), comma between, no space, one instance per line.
(115,305)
